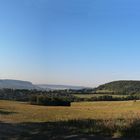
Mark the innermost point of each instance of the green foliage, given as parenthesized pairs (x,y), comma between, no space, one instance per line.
(25,95)
(109,98)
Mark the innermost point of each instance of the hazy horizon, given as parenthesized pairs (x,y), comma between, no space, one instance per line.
(73,42)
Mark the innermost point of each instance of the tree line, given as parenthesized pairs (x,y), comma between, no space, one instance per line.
(56,98)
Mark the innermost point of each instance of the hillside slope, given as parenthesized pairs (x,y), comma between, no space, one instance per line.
(16,84)
(122,87)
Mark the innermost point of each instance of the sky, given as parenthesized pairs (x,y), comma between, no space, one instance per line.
(71,42)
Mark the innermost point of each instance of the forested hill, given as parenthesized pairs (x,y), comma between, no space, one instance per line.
(121,87)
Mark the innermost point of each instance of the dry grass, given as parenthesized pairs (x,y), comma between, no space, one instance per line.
(21,121)
(19,112)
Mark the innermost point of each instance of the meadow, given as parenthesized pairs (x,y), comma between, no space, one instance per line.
(110,119)
(96,95)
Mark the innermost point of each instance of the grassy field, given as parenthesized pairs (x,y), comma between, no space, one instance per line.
(101,118)
(96,95)
(11,111)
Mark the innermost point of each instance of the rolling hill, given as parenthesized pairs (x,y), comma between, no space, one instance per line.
(122,87)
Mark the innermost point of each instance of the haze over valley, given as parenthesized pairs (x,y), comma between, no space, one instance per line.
(19,84)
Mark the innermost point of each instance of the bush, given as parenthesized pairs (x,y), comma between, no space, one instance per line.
(49,101)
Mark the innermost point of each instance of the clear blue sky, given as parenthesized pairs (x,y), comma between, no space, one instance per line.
(76,42)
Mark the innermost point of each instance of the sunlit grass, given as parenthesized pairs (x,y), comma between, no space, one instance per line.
(24,112)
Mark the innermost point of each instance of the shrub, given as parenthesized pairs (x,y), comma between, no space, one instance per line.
(49,101)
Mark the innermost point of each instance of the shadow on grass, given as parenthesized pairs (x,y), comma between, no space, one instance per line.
(72,130)
(3,112)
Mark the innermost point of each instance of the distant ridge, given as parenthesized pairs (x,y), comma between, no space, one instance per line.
(19,84)
(16,84)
